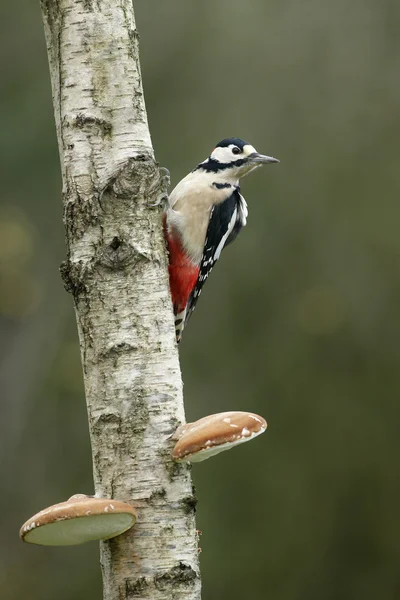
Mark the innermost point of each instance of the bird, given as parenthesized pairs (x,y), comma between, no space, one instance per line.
(205,212)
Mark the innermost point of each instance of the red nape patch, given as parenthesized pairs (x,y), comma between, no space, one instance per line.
(183,273)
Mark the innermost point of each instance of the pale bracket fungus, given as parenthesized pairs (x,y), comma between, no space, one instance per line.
(78,520)
(213,434)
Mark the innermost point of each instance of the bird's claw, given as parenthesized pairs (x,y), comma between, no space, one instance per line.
(165,177)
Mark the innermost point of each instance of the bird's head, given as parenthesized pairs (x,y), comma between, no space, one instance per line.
(233,158)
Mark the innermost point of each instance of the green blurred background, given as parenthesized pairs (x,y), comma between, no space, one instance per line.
(300,321)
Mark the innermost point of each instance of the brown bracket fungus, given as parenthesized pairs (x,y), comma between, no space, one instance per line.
(216,433)
(78,520)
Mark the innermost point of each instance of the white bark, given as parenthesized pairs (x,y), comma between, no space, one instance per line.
(116,270)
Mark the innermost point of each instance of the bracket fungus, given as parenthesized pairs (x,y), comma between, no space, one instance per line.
(78,520)
(213,434)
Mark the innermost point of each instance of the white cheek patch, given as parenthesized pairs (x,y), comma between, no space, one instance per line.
(224,155)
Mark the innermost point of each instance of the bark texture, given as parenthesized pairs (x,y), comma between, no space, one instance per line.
(116,270)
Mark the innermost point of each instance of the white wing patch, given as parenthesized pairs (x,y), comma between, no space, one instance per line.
(243,210)
(221,245)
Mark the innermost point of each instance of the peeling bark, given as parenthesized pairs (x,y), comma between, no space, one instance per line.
(116,270)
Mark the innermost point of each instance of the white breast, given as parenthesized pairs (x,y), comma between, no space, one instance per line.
(190,204)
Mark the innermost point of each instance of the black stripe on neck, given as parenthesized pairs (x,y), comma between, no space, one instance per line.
(222,186)
(225,186)
(213,166)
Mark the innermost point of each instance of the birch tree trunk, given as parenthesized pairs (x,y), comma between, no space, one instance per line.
(117,272)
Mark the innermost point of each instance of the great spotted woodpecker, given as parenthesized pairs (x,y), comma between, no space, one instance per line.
(205,213)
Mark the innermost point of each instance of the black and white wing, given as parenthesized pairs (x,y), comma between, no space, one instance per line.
(226,220)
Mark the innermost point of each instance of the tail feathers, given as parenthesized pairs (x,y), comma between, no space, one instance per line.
(179,324)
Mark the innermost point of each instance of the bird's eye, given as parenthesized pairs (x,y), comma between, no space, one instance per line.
(236,150)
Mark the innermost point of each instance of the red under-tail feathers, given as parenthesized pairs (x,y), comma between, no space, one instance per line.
(183,273)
